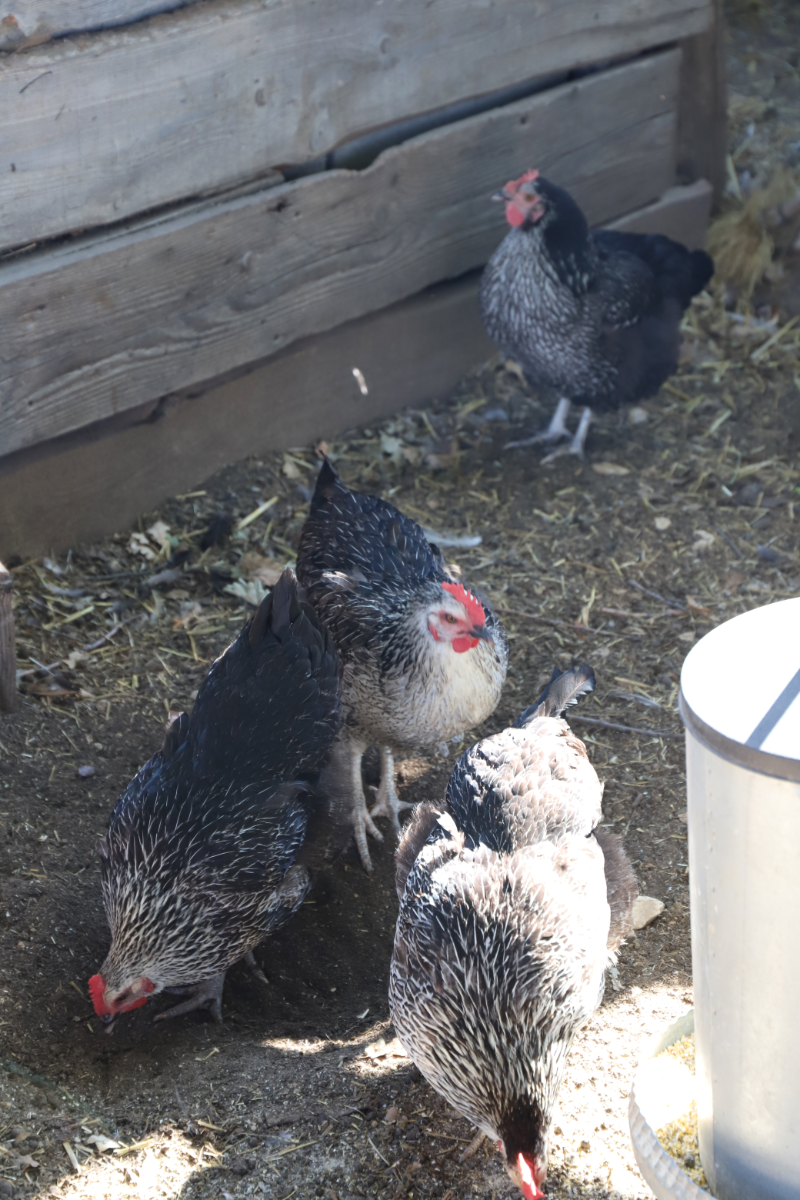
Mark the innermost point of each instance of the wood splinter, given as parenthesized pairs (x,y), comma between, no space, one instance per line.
(8,658)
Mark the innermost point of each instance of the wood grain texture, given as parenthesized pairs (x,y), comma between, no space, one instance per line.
(409,353)
(681,213)
(108,125)
(8,657)
(127,318)
(703,110)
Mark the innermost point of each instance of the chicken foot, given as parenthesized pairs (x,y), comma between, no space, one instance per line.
(363,823)
(388,803)
(577,442)
(206,994)
(556,430)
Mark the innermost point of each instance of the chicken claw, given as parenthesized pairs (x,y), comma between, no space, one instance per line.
(388,803)
(556,430)
(577,443)
(206,994)
(363,823)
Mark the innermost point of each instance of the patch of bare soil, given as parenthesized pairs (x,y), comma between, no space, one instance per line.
(683,515)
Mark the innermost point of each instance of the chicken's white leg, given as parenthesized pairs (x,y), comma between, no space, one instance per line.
(388,803)
(362,821)
(578,442)
(556,430)
(207,994)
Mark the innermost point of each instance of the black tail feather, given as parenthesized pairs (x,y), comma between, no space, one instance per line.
(564,688)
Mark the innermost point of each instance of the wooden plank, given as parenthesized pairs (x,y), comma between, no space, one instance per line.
(104,126)
(703,111)
(681,213)
(64,492)
(124,319)
(33,22)
(69,491)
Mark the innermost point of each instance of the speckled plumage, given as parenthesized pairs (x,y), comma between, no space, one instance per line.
(595,316)
(504,931)
(374,578)
(213,844)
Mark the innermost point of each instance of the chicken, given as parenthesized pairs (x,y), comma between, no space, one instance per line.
(593,316)
(423,659)
(512,904)
(215,842)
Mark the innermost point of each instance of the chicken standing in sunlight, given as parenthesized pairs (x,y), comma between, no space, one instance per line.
(512,904)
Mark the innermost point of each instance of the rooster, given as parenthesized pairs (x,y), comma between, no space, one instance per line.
(512,904)
(214,843)
(593,316)
(423,659)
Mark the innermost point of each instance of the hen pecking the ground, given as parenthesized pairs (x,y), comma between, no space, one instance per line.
(512,904)
(214,844)
(594,316)
(423,659)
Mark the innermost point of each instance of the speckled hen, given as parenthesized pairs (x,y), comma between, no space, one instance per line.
(215,842)
(423,659)
(593,315)
(512,904)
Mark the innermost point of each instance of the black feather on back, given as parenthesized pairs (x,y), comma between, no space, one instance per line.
(361,536)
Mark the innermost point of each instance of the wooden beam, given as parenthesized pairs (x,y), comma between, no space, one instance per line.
(101,127)
(128,317)
(703,113)
(8,657)
(98,481)
(681,213)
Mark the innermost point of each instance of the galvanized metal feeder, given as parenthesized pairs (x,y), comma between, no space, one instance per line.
(740,702)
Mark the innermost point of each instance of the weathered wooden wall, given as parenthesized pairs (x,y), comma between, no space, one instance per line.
(97,481)
(128,317)
(102,126)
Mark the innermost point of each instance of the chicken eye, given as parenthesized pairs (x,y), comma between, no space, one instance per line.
(451,620)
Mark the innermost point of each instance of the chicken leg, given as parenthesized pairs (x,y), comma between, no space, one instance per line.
(206,994)
(362,821)
(556,430)
(577,442)
(388,803)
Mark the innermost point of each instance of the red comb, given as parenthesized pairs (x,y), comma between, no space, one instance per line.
(514,184)
(474,607)
(97,987)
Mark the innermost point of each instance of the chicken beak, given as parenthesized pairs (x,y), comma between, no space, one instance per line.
(502,196)
(108,1022)
(480,631)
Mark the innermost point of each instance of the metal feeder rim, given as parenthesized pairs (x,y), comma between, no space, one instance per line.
(760,761)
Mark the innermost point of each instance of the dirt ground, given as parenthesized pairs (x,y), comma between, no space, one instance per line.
(682,515)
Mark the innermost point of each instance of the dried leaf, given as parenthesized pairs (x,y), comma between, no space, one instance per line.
(139,544)
(159,532)
(256,566)
(703,539)
(610,468)
(252,591)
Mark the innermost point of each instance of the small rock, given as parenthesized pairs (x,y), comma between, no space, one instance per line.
(662,523)
(689,1160)
(85,772)
(412,1133)
(645,911)
(6,1188)
(402,1122)
(638,416)
(239,1166)
(252,1142)
(585,1147)
(392,1114)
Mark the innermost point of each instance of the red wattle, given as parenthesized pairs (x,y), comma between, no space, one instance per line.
(97,989)
(462,644)
(513,215)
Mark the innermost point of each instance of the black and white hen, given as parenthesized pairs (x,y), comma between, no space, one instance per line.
(423,659)
(215,842)
(512,904)
(595,316)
